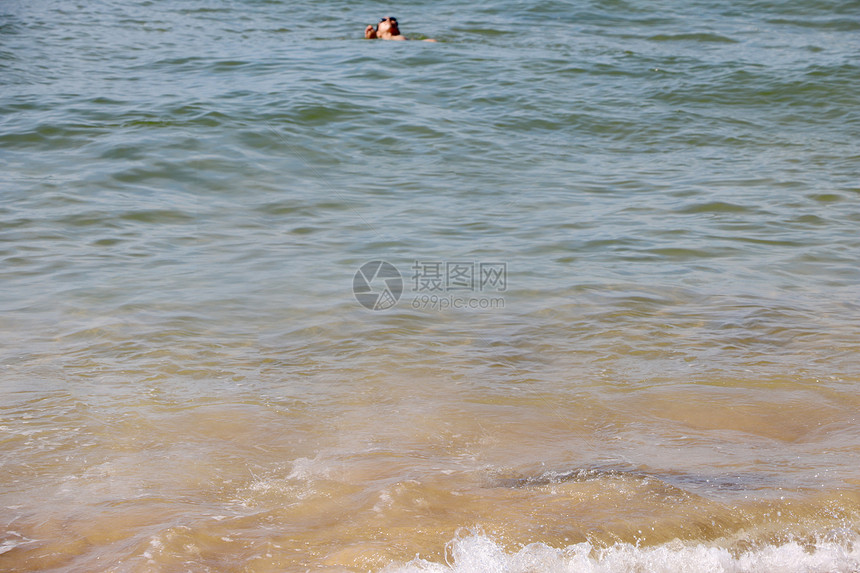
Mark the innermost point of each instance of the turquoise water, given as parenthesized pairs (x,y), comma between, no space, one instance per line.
(668,196)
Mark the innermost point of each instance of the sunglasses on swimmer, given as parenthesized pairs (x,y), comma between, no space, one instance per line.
(393,20)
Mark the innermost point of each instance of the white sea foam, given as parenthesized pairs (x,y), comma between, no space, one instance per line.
(480,554)
(306,469)
(12,539)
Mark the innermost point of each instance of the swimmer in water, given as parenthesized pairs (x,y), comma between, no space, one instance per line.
(386,30)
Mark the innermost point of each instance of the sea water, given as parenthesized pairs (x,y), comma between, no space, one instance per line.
(574,288)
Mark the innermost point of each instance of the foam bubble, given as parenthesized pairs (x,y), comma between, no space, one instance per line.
(480,554)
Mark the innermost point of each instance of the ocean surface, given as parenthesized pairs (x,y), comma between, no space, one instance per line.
(574,288)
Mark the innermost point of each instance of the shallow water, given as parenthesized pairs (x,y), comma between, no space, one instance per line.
(624,336)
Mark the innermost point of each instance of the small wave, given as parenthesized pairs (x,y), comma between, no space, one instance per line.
(713,207)
(11,540)
(476,553)
(673,479)
(700,37)
(829,24)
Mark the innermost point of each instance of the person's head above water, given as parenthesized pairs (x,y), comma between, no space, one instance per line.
(386,30)
(387,27)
